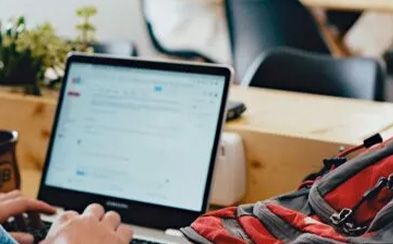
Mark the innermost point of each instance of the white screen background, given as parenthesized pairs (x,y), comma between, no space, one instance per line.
(136,134)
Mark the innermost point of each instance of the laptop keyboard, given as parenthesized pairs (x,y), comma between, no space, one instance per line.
(40,233)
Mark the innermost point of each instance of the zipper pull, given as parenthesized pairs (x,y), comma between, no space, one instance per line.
(331,163)
(339,218)
(373,192)
(390,182)
(373,140)
(353,230)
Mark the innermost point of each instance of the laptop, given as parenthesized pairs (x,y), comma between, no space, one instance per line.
(139,137)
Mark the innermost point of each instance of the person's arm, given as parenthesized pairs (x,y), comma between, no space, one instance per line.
(5,238)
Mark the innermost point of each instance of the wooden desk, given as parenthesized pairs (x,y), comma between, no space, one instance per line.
(285,134)
(314,117)
(351,5)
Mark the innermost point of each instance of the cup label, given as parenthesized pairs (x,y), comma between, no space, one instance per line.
(7,179)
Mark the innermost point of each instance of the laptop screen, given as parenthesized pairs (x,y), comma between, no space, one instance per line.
(137,134)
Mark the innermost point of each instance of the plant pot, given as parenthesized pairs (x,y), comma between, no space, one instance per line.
(21,70)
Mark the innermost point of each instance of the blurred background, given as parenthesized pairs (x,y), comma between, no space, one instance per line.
(335,48)
(237,32)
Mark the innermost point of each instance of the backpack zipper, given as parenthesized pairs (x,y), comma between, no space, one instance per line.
(319,205)
(343,220)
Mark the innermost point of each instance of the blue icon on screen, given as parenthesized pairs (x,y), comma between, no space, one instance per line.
(80,173)
(158,88)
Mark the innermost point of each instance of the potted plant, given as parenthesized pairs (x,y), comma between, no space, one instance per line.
(86,29)
(25,55)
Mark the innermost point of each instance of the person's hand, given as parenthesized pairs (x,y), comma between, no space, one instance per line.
(93,226)
(13,204)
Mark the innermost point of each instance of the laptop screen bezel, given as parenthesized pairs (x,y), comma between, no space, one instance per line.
(134,212)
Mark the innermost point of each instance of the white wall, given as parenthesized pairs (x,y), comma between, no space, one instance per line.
(116,19)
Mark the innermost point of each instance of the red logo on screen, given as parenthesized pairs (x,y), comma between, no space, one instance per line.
(73,94)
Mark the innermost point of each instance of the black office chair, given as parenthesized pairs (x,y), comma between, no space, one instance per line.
(258,25)
(122,48)
(297,70)
(342,20)
(178,53)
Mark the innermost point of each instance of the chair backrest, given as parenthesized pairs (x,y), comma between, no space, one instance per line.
(179,53)
(257,25)
(297,70)
(123,48)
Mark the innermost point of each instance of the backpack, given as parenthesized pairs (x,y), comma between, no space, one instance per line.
(349,201)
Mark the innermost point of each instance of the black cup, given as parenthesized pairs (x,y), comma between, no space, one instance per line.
(9,171)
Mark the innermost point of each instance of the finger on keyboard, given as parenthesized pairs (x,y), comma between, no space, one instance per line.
(35,220)
(20,223)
